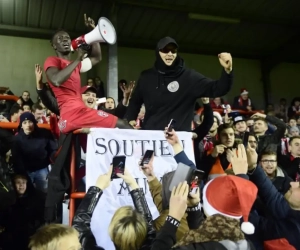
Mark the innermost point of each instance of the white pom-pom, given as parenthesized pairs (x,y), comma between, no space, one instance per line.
(247,228)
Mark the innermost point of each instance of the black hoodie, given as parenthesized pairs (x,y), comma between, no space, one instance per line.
(170,92)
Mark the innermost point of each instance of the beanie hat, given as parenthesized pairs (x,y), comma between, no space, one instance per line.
(294,129)
(230,196)
(244,92)
(27,116)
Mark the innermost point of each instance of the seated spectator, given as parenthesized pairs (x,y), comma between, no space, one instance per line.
(293,131)
(290,163)
(39,113)
(240,126)
(32,151)
(268,142)
(281,229)
(26,108)
(294,109)
(129,228)
(25,98)
(55,237)
(26,215)
(216,161)
(15,113)
(278,176)
(243,102)
(216,103)
(281,109)
(292,122)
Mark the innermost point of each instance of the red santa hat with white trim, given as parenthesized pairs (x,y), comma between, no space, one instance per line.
(231,196)
(244,92)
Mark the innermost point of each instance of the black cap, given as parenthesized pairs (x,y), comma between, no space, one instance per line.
(165,41)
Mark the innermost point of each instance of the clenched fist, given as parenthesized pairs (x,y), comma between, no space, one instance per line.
(226,61)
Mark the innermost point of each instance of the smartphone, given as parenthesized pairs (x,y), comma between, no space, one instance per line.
(171,125)
(147,157)
(246,139)
(195,180)
(118,166)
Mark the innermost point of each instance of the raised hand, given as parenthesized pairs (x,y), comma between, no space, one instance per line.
(89,22)
(239,160)
(178,201)
(226,61)
(104,180)
(38,73)
(127,90)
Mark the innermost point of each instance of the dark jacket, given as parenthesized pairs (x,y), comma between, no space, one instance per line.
(170,92)
(270,142)
(84,213)
(290,165)
(48,99)
(284,226)
(236,104)
(119,111)
(202,130)
(34,151)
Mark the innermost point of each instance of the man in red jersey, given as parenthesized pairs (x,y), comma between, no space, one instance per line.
(64,78)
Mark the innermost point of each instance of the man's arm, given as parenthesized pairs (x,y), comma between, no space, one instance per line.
(281,127)
(135,103)
(48,99)
(205,87)
(274,201)
(58,76)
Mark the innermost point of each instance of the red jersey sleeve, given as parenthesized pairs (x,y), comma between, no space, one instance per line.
(51,62)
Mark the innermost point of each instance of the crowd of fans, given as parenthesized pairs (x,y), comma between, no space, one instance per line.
(232,144)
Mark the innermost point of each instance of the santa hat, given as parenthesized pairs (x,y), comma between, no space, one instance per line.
(231,196)
(244,92)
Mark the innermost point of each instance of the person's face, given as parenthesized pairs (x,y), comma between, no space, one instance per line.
(38,114)
(270,107)
(89,99)
(27,126)
(260,127)
(269,164)
(62,42)
(293,194)
(297,103)
(244,96)
(252,141)
(217,101)
(110,104)
(25,96)
(168,54)
(227,137)
(69,242)
(294,133)
(292,123)
(97,80)
(26,108)
(241,126)
(294,147)
(21,185)
(282,102)
(90,82)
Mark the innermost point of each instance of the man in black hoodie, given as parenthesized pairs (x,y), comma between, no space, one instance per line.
(169,90)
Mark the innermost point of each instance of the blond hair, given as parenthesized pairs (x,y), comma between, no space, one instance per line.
(128,229)
(48,237)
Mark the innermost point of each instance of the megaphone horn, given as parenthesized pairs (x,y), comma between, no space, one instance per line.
(104,32)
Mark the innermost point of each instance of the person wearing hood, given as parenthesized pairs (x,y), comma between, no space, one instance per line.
(33,151)
(169,90)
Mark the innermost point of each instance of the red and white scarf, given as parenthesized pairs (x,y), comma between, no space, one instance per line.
(284,145)
(241,103)
(296,109)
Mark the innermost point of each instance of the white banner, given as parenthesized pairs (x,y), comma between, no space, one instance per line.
(102,146)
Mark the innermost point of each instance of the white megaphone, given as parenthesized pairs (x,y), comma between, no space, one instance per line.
(104,32)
